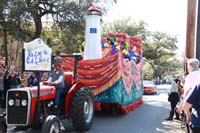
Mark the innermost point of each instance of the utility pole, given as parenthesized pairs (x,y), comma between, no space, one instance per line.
(198,32)
(190,48)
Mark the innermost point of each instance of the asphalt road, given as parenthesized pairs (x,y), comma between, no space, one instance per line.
(148,118)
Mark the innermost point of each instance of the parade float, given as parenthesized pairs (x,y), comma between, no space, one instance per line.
(111,67)
(109,77)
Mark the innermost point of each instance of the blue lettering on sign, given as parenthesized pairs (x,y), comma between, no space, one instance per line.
(36,57)
(45,52)
(39,41)
(93,30)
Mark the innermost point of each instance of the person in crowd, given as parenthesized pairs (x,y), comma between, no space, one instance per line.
(23,79)
(191,80)
(45,76)
(1,83)
(14,80)
(173,96)
(10,80)
(180,91)
(56,78)
(32,80)
(180,86)
(5,85)
(193,102)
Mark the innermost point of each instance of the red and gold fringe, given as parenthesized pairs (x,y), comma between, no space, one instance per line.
(106,106)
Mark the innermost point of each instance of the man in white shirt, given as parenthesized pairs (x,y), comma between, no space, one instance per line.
(191,80)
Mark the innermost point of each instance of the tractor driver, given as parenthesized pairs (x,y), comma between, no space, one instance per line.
(56,78)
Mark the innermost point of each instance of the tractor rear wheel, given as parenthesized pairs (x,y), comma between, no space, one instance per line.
(82,109)
(51,125)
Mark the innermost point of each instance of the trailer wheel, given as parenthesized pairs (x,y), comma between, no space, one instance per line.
(82,109)
(3,127)
(115,110)
(51,125)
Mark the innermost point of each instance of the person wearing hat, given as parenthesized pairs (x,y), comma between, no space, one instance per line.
(56,78)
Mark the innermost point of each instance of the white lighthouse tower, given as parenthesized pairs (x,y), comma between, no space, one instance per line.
(93,49)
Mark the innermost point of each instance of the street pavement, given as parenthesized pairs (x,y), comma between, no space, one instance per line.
(148,118)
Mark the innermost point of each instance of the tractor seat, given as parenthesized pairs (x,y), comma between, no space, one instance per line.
(69,77)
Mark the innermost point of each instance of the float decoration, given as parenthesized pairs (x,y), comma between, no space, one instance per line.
(115,80)
(112,66)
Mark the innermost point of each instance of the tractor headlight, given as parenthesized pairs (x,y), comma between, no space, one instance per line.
(11,102)
(24,102)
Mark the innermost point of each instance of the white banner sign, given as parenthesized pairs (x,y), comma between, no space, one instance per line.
(37,56)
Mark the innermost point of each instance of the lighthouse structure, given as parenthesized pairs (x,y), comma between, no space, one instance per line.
(93,49)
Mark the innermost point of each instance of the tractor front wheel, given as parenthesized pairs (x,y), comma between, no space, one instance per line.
(82,109)
(51,125)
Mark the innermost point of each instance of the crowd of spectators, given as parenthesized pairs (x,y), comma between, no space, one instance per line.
(184,98)
(11,77)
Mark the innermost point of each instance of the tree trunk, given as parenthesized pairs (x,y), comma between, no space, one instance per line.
(5,46)
(38,26)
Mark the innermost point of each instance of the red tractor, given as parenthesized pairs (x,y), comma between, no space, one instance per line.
(29,107)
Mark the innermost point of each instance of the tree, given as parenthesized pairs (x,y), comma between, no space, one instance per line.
(128,25)
(24,13)
(24,21)
(159,51)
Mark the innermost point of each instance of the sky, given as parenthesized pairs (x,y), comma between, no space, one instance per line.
(169,16)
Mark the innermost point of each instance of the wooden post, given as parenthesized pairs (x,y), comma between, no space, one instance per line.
(198,32)
(190,33)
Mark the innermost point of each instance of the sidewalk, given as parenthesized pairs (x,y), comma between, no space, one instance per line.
(173,126)
(161,107)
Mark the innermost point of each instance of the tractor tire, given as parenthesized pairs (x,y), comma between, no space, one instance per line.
(51,125)
(82,109)
(3,127)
